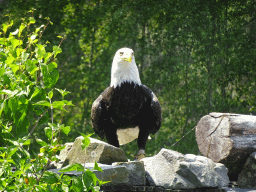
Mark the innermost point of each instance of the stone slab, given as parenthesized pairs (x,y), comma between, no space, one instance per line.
(118,175)
(98,151)
(136,172)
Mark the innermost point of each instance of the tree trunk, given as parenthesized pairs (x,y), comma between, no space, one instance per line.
(228,139)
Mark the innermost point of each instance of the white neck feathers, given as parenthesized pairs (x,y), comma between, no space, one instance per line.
(123,71)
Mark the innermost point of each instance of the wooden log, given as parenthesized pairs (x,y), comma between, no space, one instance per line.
(227,138)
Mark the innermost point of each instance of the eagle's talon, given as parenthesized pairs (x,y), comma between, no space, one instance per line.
(139,157)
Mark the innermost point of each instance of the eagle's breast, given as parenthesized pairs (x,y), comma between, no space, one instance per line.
(124,104)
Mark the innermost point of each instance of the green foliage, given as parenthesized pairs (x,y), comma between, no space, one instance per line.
(197,57)
(28,74)
(87,181)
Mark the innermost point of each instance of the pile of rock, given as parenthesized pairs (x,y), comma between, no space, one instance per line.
(168,169)
(228,140)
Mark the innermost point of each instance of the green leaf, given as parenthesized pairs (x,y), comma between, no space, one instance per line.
(15,32)
(48,132)
(62,92)
(17,173)
(51,178)
(2,70)
(32,20)
(14,68)
(13,104)
(38,28)
(8,161)
(9,60)
(24,56)
(86,140)
(43,103)
(40,51)
(27,142)
(65,187)
(37,90)
(50,94)
(32,37)
(72,167)
(66,130)
(2,105)
(77,184)
(4,27)
(22,26)
(68,102)
(30,65)
(9,92)
(41,142)
(96,167)
(56,50)
(12,152)
(58,104)
(50,77)
(19,51)
(89,178)
(47,56)
(52,66)
(16,42)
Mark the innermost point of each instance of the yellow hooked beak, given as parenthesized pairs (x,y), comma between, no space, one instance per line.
(127,57)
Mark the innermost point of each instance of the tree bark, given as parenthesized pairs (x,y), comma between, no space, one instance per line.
(227,138)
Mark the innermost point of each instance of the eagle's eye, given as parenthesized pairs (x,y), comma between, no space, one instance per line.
(121,53)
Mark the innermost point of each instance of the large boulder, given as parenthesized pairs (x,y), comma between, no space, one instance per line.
(64,153)
(247,178)
(171,169)
(136,172)
(98,151)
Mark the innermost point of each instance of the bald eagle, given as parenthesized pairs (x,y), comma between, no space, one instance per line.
(127,109)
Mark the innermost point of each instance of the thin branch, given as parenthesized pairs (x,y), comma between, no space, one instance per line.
(32,130)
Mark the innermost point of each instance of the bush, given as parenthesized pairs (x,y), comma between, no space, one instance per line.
(28,74)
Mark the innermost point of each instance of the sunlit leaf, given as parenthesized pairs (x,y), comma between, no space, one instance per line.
(62,92)
(15,32)
(96,167)
(58,104)
(22,26)
(32,37)
(48,132)
(27,142)
(72,167)
(41,142)
(66,130)
(31,20)
(12,152)
(43,103)
(50,94)
(56,50)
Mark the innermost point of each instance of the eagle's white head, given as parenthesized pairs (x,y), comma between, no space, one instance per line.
(124,68)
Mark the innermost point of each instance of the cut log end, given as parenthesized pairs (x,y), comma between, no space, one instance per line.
(212,136)
(227,138)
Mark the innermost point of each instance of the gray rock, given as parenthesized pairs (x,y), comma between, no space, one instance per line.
(247,178)
(136,171)
(171,169)
(64,153)
(98,151)
(118,175)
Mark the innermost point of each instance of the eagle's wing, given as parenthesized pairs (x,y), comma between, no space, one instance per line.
(97,114)
(153,110)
